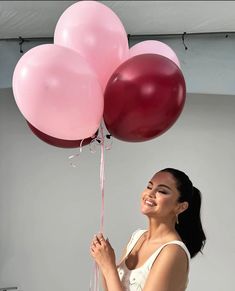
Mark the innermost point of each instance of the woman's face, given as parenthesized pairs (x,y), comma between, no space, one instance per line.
(160,198)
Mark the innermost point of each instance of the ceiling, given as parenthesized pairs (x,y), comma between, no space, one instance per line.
(35,19)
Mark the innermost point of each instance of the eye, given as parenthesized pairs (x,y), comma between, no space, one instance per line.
(148,187)
(162,191)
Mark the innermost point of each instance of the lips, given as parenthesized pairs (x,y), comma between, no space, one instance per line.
(150,202)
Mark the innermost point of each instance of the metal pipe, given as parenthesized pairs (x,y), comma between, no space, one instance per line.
(8,288)
(131,36)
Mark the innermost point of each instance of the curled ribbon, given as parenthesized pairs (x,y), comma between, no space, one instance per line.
(104,146)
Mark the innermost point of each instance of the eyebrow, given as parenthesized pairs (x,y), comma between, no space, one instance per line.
(161,185)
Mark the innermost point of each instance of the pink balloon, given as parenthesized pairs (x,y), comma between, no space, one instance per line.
(58,92)
(96,32)
(154,47)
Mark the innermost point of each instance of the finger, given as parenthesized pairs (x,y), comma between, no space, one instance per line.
(95,244)
(93,249)
(93,254)
(95,239)
(101,238)
(108,243)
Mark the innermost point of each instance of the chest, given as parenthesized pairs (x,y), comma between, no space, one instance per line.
(140,254)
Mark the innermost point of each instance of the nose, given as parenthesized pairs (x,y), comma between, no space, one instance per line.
(152,193)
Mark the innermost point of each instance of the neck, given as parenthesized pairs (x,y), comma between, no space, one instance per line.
(159,230)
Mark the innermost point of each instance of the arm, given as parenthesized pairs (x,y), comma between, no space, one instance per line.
(104,255)
(169,272)
(105,288)
(103,278)
(112,280)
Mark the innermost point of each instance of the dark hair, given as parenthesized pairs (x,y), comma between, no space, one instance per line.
(189,226)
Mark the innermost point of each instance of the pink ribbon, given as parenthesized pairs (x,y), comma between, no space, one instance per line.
(102,178)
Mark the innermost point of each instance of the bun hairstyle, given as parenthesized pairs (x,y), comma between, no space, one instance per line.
(189,226)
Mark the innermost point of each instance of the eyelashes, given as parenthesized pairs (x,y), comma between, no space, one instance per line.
(160,191)
(163,192)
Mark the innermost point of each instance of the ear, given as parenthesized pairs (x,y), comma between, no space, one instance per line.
(182,207)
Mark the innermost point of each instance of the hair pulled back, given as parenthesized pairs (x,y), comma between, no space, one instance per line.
(190,226)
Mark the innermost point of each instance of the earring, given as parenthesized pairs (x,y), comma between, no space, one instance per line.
(177,219)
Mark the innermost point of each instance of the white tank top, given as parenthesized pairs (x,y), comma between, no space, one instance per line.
(134,280)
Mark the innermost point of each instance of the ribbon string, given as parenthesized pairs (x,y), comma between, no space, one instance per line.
(102,179)
(94,282)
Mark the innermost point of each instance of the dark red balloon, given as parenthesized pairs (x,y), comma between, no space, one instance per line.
(62,143)
(143,98)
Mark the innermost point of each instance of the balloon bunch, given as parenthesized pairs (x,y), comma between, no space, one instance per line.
(64,89)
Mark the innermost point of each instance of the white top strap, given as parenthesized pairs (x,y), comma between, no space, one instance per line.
(134,238)
(157,252)
(138,233)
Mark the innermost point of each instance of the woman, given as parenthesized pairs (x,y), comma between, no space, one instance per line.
(157,259)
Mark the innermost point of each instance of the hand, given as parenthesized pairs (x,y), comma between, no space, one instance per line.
(102,252)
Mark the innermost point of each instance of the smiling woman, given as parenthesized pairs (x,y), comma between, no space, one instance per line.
(158,258)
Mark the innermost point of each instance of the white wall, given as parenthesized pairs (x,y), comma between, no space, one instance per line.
(208,65)
(49,211)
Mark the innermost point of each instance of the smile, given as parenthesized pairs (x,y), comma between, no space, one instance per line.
(150,203)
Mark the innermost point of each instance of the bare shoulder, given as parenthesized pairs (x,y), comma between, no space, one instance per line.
(173,255)
(169,271)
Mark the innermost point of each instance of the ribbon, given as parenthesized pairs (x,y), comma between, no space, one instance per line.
(102,178)
(101,141)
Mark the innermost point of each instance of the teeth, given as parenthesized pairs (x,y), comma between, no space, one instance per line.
(149,203)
